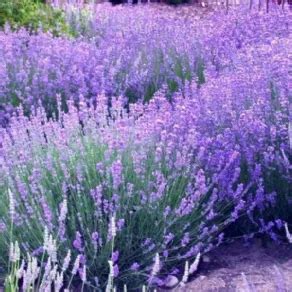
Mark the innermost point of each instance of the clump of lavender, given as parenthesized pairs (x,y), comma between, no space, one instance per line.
(130,51)
(162,183)
(122,53)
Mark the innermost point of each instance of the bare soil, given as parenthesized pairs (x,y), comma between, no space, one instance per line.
(238,267)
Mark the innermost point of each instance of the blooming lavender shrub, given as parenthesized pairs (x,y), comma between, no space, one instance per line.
(126,51)
(114,190)
(137,193)
(132,55)
(158,183)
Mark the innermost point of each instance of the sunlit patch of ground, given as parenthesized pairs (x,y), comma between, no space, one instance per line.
(241,267)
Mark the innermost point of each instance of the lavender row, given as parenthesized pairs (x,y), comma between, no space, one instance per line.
(129,52)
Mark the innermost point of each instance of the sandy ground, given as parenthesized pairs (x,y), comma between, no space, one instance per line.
(244,268)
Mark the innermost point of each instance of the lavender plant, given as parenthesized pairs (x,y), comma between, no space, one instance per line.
(113,190)
(128,51)
(160,181)
(132,55)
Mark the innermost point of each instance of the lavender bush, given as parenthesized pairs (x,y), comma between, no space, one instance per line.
(130,54)
(115,190)
(128,51)
(137,192)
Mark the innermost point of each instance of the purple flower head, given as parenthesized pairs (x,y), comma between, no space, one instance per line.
(95,236)
(116,171)
(166,212)
(77,243)
(115,256)
(120,224)
(99,166)
(135,267)
(147,242)
(80,272)
(186,239)
(82,259)
(96,194)
(175,271)
(279,223)
(156,281)
(38,251)
(165,253)
(2,227)
(168,238)
(116,270)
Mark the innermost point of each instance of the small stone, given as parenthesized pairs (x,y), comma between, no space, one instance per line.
(171,281)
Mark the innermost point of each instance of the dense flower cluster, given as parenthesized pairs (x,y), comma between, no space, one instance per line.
(125,51)
(129,54)
(139,192)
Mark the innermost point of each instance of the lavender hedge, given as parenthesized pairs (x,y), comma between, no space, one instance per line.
(132,55)
(151,186)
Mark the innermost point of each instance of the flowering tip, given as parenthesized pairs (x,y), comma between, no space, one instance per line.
(194,265)
(288,234)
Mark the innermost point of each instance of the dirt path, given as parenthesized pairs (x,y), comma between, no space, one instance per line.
(241,268)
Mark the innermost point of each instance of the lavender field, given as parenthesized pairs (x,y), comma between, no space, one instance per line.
(141,140)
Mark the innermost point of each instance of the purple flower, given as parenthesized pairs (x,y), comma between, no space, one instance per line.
(95,236)
(165,253)
(77,243)
(116,171)
(96,194)
(2,227)
(115,256)
(120,224)
(279,223)
(135,267)
(38,251)
(116,270)
(168,238)
(186,239)
(166,211)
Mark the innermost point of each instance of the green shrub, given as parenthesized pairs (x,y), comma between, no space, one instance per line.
(33,15)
